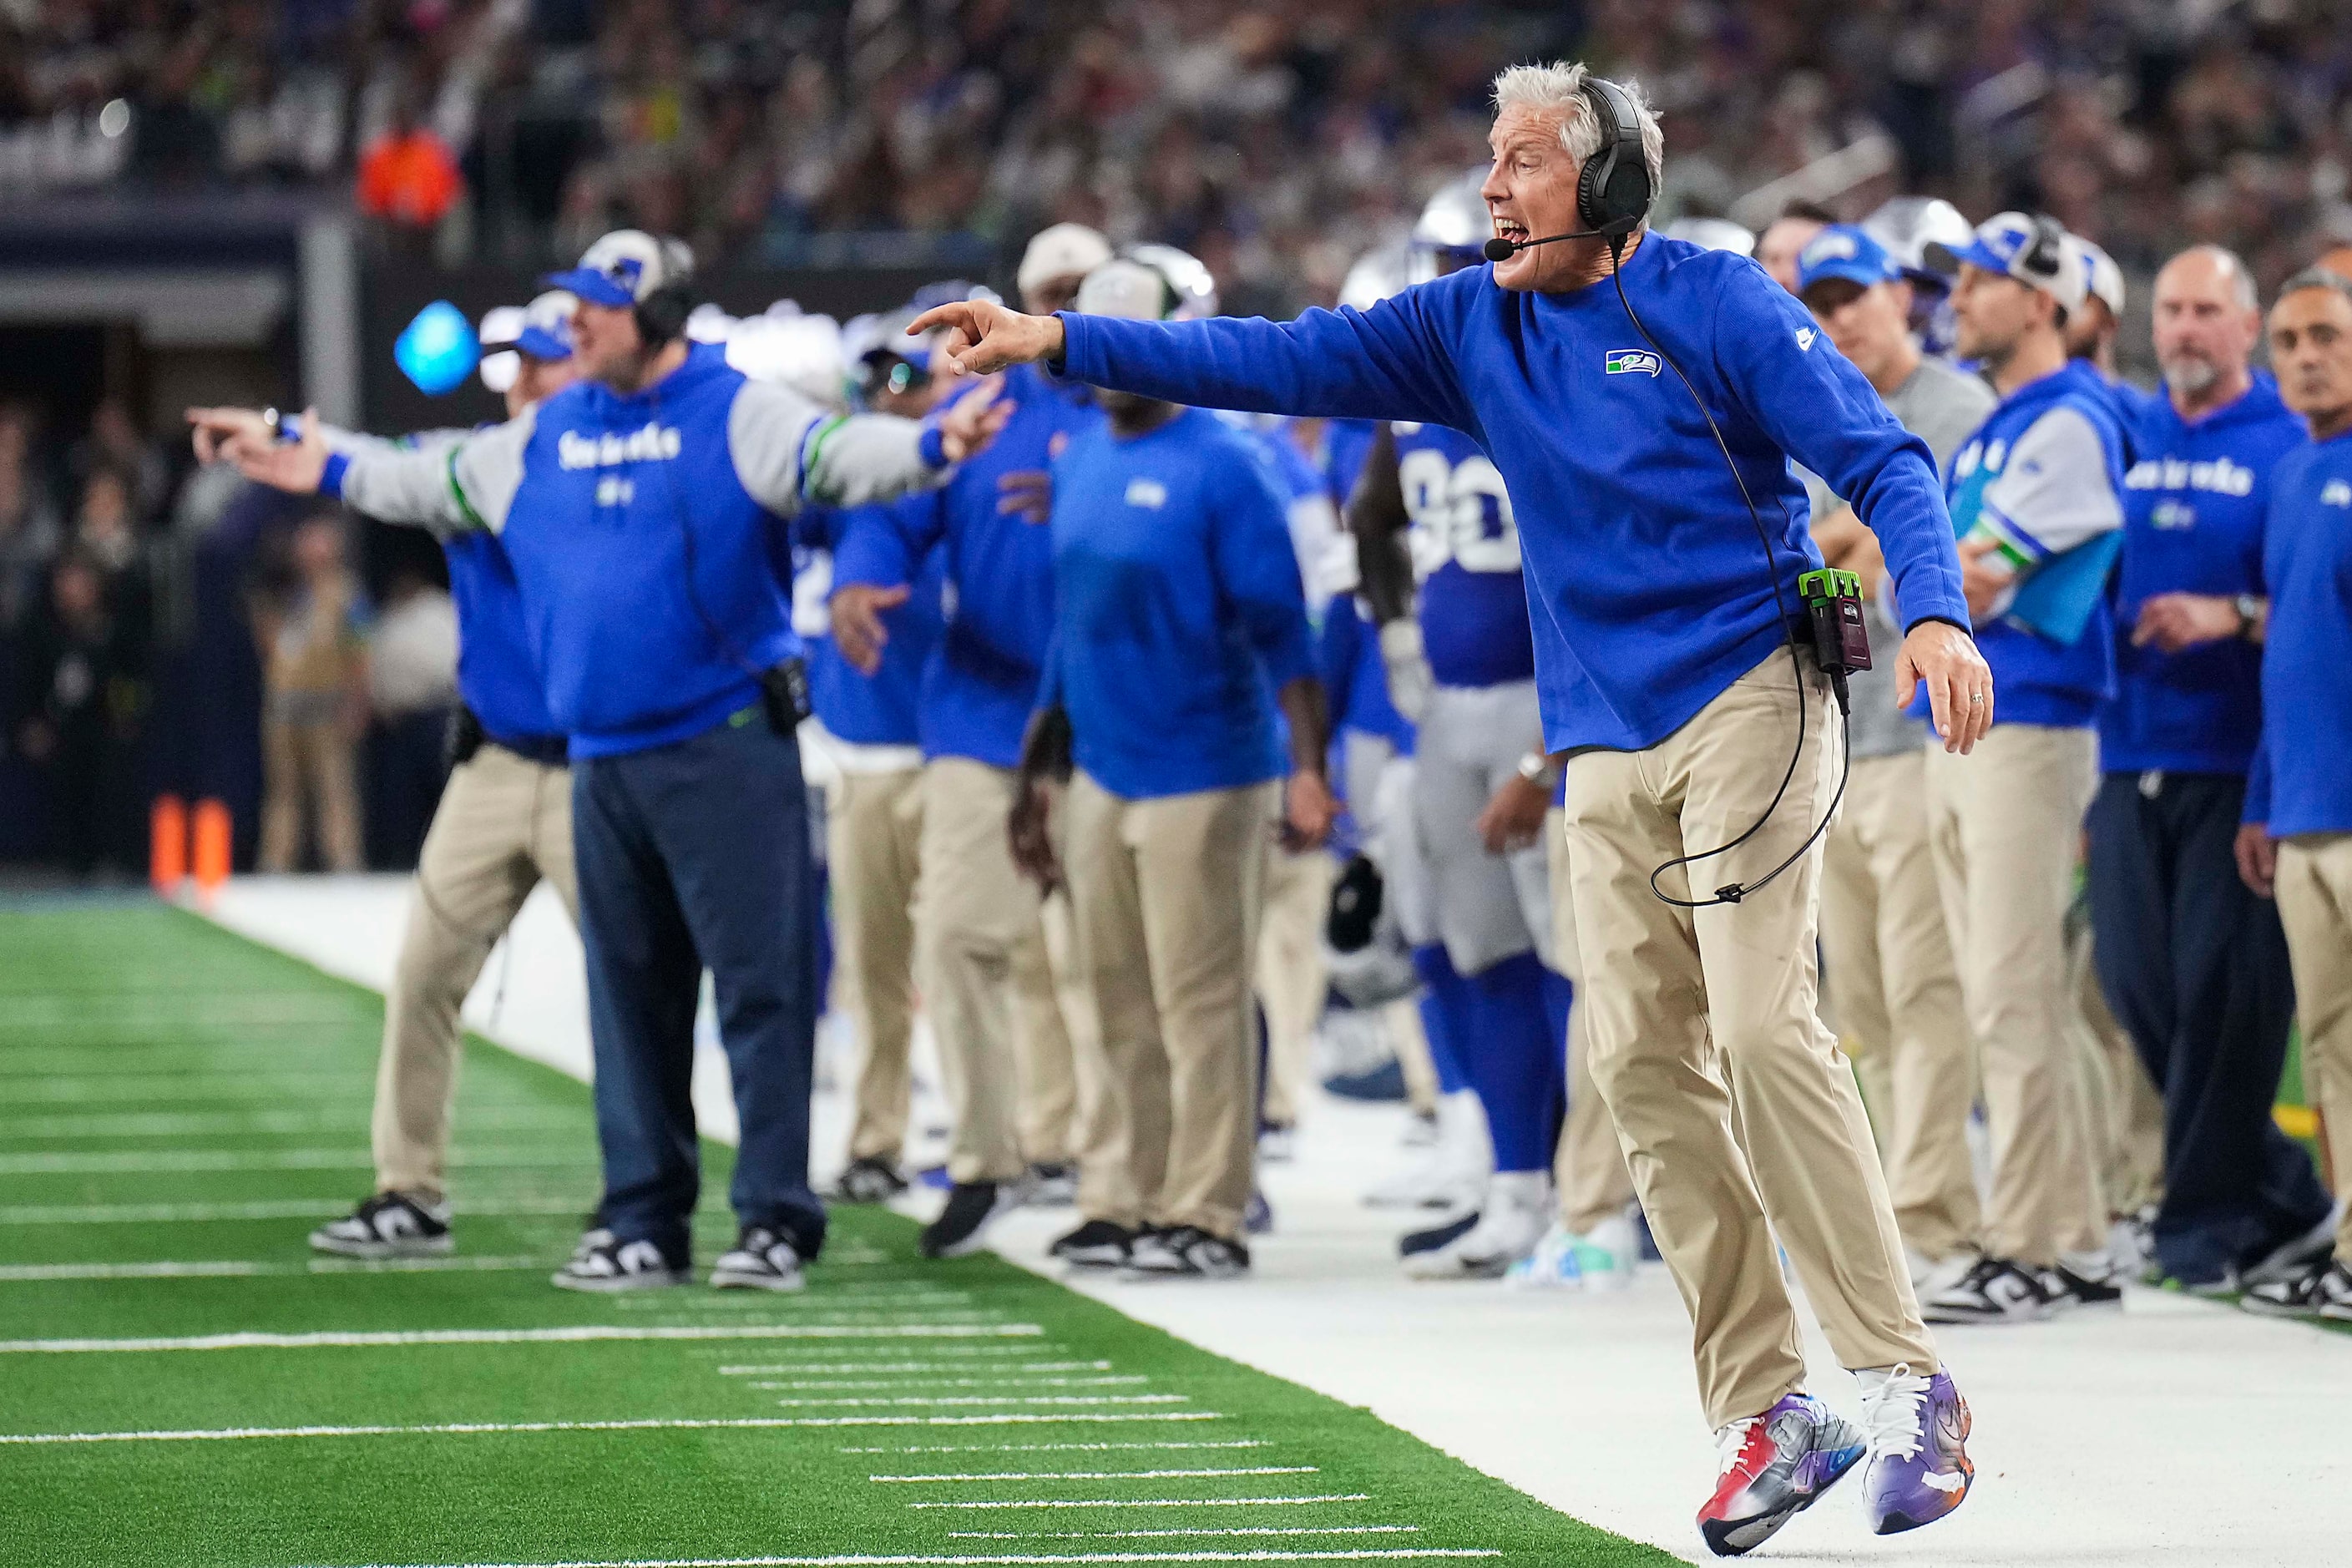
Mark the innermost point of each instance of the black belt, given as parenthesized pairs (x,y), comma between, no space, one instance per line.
(547,750)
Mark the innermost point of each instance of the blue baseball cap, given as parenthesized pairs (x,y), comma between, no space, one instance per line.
(541,329)
(624,268)
(1844,250)
(2036,252)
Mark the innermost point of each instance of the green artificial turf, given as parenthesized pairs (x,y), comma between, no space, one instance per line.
(173,1094)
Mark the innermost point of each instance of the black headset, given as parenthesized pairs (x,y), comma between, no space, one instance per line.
(1613,191)
(661,315)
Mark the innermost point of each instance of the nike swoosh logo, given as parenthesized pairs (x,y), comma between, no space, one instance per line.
(1950,1483)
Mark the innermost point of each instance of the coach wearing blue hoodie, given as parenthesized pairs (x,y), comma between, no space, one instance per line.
(2194,965)
(634,506)
(1664,660)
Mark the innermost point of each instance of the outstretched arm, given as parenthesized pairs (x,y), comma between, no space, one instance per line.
(1392,362)
(448,485)
(787,450)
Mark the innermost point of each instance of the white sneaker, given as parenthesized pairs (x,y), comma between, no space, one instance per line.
(1607,1255)
(1930,1275)
(1451,1174)
(1277,1146)
(1517,1212)
(1550,1266)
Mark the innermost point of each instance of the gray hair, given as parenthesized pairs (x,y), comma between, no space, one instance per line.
(2234,266)
(2316,278)
(1558,89)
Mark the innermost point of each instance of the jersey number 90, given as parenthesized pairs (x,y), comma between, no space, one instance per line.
(1460,512)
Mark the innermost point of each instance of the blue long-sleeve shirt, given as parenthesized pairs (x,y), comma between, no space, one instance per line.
(1179,608)
(2194,501)
(979,682)
(496,676)
(882,709)
(2302,777)
(1650,587)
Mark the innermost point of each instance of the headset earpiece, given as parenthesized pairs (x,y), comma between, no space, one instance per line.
(1613,190)
(661,315)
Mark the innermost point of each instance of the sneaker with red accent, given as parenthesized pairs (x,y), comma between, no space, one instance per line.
(1918,1429)
(1775,1466)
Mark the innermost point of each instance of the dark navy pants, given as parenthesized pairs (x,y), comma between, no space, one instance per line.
(692,856)
(2195,968)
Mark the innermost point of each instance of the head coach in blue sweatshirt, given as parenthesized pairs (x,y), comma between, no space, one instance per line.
(1663,655)
(1180,621)
(2193,964)
(2296,843)
(1005,1050)
(634,506)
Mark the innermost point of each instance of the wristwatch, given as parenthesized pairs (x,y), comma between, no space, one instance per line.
(2249,615)
(1537,769)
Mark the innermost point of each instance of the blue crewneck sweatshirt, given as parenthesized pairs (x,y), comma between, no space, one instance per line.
(1639,549)
(1179,608)
(497,675)
(2039,678)
(883,708)
(2194,504)
(2302,777)
(979,683)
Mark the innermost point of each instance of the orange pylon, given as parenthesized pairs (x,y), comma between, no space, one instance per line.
(167,844)
(211,857)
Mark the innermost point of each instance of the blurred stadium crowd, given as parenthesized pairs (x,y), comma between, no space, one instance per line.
(1276,139)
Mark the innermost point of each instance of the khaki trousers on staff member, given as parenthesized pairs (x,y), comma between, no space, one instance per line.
(1589,1168)
(1167,894)
(2315,901)
(977,932)
(307,765)
(2126,1111)
(504,822)
(1689,1012)
(1896,996)
(1291,978)
(1053,1030)
(2006,824)
(875,832)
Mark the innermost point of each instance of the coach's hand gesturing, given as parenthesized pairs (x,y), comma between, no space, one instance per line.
(1960,683)
(983,338)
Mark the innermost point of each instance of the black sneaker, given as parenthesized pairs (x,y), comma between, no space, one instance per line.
(869,1179)
(389,1225)
(611,1265)
(1053,1184)
(2324,1292)
(2064,1289)
(761,1259)
(1097,1244)
(1995,1292)
(1186,1252)
(962,1225)
(1437,1236)
(2295,1257)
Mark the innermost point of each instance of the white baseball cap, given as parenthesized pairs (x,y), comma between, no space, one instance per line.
(2102,279)
(1065,250)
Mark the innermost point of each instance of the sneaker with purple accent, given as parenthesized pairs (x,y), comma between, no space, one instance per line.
(1918,1429)
(1775,1466)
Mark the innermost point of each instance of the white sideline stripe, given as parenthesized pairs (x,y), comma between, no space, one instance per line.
(115,1161)
(1100,1475)
(1415,1555)
(1050,1448)
(980,1399)
(1015,1381)
(1157,1502)
(197,1124)
(266,1208)
(1155,1534)
(480,1428)
(570,1335)
(1028,1366)
(19,1273)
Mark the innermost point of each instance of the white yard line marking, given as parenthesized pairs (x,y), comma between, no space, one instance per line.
(1157,1534)
(266,1208)
(1407,1555)
(845,1382)
(1057,1399)
(1095,1475)
(116,1162)
(482,1428)
(938,1365)
(572,1335)
(1052,1448)
(1157,1502)
(197,1124)
(21,1273)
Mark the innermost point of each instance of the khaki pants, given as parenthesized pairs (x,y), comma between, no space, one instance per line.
(308,768)
(2314,900)
(2126,1111)
(1589,1168)
(1291,980)
(1167,894)
(980,947)
(1896,996)
(503,823)
(1054,1030)
(1734,1106)
(873,833)
(2006,825)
